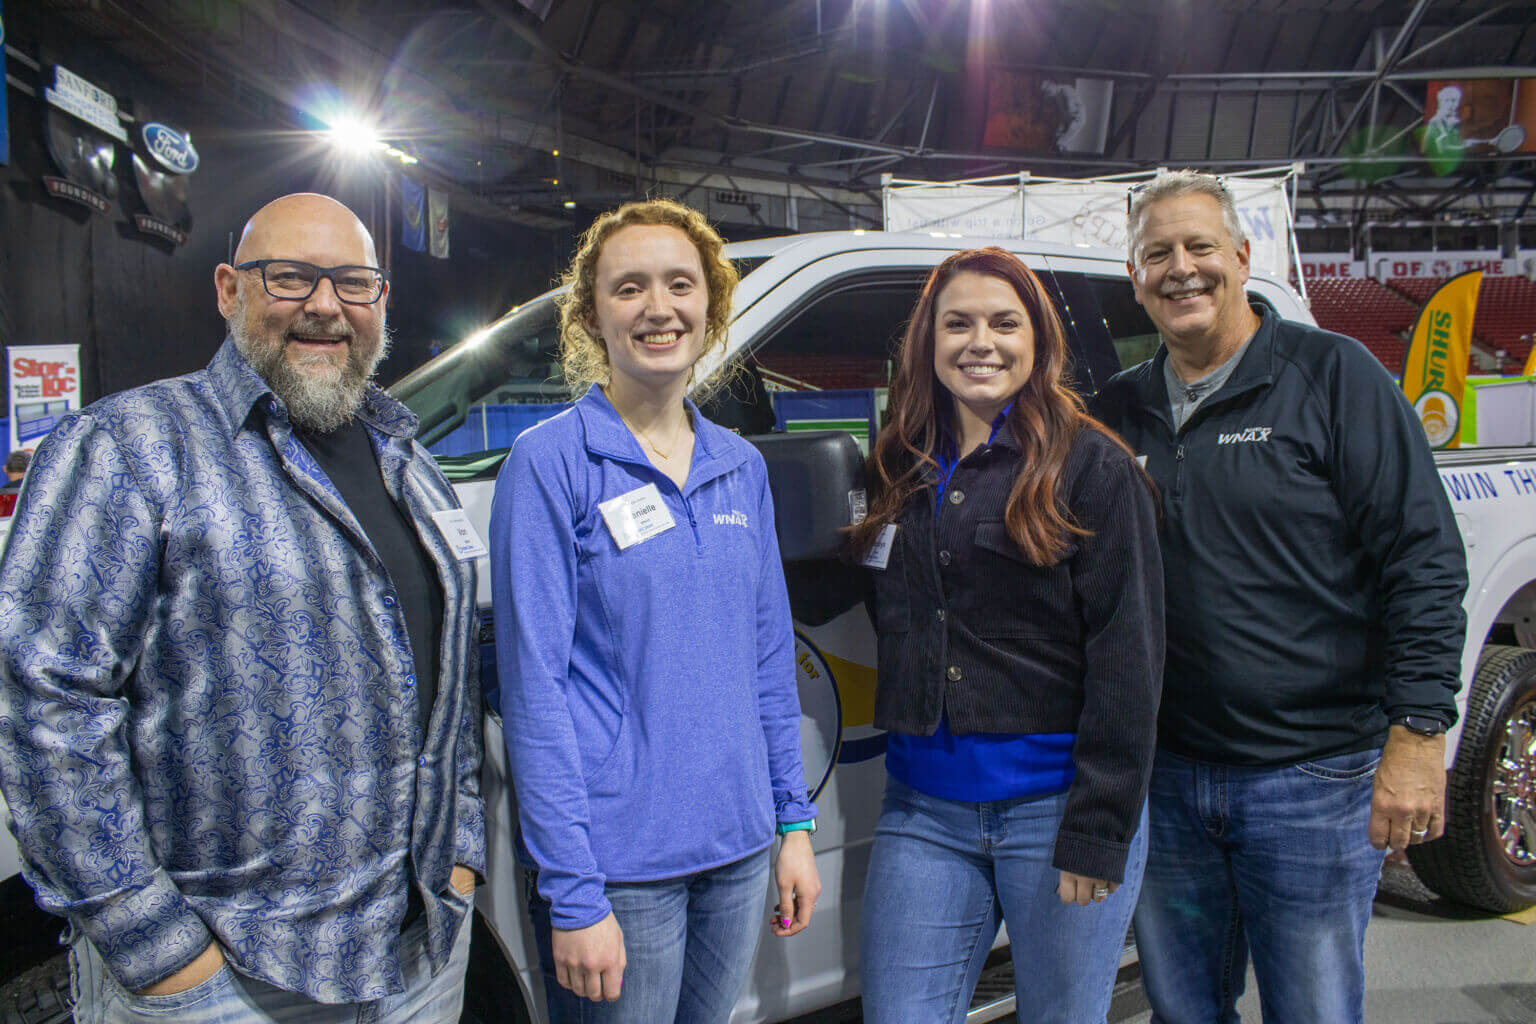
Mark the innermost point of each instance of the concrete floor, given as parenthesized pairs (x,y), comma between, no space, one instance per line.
(1426,962)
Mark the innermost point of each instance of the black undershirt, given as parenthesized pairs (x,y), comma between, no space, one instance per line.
(346,455)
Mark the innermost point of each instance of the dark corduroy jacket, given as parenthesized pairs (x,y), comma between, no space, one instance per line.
(970,630)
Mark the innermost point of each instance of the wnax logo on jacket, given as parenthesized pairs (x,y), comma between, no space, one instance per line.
(731,518)
(1243,436)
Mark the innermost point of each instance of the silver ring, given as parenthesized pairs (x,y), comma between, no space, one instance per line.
(1100,892)
(1418,831)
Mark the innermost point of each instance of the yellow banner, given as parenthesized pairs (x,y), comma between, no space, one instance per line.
(1435,371)
(1530,364)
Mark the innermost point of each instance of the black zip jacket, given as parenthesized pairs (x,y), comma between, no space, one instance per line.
(1314,572)
(970,629)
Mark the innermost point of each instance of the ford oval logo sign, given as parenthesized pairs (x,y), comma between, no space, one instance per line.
(171,149)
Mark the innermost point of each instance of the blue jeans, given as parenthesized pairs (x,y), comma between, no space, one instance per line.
(229,997)
(688,946)
(944,873)
(1272,862)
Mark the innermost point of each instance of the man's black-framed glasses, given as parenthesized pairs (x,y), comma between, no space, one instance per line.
(295,279)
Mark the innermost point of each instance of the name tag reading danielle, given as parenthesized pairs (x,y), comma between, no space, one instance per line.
(639,515)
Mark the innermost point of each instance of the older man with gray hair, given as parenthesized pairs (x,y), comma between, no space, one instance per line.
(1314,579)
(239,715)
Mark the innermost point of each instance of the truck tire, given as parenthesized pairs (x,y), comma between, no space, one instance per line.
(1487,857)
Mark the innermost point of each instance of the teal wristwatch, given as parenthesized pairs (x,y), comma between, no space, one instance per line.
(808,825)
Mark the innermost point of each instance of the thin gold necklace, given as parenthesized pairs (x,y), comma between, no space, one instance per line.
(647,438)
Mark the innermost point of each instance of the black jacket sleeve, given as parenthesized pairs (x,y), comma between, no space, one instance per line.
(1118,582)
(1385,478)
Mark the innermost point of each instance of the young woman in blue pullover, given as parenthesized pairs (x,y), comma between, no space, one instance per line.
(1019,611)
(645,649)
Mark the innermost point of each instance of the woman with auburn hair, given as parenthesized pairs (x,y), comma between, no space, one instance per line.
(645,650)
(1019,608)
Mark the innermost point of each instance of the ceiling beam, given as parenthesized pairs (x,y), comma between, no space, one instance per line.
(1384,67)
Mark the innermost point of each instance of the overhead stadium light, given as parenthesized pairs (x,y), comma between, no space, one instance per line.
(356,136)
(351,134)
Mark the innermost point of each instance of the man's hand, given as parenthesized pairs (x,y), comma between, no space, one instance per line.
(463,881)
(1082,890)
(190,976)
(1408,797)
(794,872)
(590,961)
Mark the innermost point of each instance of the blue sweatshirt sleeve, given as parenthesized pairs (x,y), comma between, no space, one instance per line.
(778,698)
(533,598)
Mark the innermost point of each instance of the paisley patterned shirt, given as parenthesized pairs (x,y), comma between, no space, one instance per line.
(208,722)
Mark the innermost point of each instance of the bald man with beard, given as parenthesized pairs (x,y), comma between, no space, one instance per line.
(239,701)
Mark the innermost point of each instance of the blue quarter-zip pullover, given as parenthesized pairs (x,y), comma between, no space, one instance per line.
(648,694)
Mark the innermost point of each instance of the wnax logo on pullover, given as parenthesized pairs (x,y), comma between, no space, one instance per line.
(731,518)
(1244,436)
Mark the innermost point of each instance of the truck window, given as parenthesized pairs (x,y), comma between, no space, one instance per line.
(844,337)
(1107,327)
(828,362)
(514,361)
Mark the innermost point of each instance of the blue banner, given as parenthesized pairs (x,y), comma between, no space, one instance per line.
(413,215)
(5,121)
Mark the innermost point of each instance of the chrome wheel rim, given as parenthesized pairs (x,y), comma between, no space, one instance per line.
(1513,790)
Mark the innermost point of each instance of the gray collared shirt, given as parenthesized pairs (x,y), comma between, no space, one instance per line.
(1184,398)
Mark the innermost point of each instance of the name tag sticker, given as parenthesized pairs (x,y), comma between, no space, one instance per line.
(460,534)
(639,515)
(1141,460)
(880,554)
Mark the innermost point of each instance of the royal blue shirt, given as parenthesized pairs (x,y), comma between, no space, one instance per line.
(979,766)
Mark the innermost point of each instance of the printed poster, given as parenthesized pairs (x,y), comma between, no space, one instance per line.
(45,385)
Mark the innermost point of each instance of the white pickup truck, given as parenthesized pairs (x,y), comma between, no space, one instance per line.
(816,318)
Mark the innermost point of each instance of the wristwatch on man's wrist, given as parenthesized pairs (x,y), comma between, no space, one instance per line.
(1422,725)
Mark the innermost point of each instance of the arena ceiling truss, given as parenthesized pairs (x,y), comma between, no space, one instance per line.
(785,115)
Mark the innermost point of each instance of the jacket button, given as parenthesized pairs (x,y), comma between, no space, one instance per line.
(940,614)
(956,497)
(954,673)
(943,557)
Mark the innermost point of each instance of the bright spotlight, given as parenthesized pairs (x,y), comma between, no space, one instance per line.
(352,134)
(570,204)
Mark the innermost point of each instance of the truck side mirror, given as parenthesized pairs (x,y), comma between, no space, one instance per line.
(817,481)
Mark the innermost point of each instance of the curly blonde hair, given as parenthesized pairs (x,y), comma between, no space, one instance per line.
(583,356)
